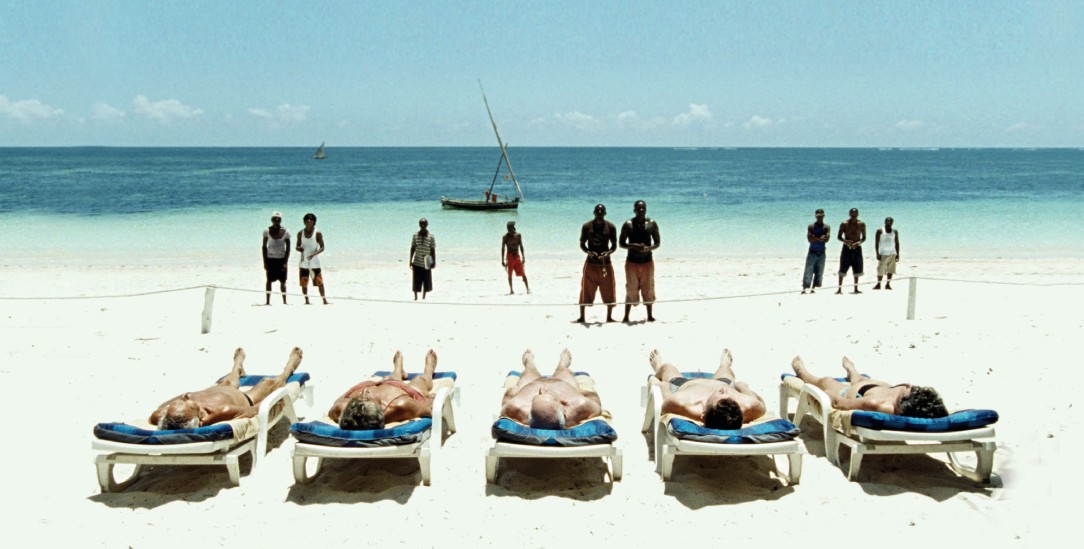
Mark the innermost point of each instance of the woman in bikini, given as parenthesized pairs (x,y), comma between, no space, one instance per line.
(862,393)
(373,404)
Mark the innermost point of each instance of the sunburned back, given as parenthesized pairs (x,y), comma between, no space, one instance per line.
(216,403)
(578,407)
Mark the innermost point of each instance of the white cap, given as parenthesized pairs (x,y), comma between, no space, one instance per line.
(276,214)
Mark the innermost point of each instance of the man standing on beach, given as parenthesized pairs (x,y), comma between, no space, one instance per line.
(513,256)
(423,259)
(888,253)
(598,239)
(817,234)
(276,254)
(852,233)
(310,242)
(639,236)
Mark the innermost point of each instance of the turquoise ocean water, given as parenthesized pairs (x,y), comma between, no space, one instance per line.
(136,206)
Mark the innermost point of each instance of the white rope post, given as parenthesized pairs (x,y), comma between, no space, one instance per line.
(912,291)
(208,303)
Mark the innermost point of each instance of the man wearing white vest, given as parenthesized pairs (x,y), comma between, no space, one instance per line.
(888,253)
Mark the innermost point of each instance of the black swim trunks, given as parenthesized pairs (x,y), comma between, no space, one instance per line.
(276,269)
(850,258)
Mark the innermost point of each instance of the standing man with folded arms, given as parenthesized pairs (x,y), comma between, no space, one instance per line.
(276,255)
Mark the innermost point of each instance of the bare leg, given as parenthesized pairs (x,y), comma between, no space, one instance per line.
(628,308)
(510,291)
(424,382)
(233,379)
(878,285)
(725,366)
(268,292)
(852,372)
(609,313)
(830,385)
(397,372)
(581,320)
(267,386)
(888,285)
(663,372)
(321,287)
(856,285)
(563,371)
(526,285)
(650,317)
(282,290)
(530,371)
(305,288)
(839,289)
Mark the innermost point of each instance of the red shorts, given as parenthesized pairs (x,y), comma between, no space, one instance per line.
(515,265)
(598,278)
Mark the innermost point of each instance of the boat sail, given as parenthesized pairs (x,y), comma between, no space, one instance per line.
(492,201)
(320,153)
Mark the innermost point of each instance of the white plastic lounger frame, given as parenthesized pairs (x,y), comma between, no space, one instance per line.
(220,452)
(815,403)
(667,447)
(422,451)
(609,452)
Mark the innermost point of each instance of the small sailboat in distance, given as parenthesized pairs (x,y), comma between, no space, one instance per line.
(320,153)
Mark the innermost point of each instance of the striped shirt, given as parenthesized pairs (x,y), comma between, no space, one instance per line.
(423,246)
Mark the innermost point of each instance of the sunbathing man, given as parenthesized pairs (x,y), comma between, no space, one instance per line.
(554,402)
(718,403)
(224,401)
(863,393)
(373,404)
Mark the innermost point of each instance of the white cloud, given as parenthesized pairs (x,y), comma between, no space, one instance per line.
(696,113)
(282,113)
(27,109)
(164,111)
(1020,127)
(102,111)
(910,124)
(758,121)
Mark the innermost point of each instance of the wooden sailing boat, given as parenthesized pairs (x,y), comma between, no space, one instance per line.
(320,153)
(492,201)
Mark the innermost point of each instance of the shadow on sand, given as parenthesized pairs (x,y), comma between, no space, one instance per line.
(582,479)
(360,481)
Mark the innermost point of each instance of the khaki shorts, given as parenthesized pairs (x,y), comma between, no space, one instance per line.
(887,265)
(639,281)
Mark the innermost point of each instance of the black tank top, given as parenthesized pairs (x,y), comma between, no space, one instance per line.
(598,240)
(639,235)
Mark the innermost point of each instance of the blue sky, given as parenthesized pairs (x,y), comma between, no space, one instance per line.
(727,74)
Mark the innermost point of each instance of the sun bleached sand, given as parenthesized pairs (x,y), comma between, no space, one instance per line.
(72,363)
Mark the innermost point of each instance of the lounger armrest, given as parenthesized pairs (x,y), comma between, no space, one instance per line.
(820,398)
(265,419)
(439,401)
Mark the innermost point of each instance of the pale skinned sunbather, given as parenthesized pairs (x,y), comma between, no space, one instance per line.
(373,404)
(224,401)
(554,402)
(863,393)
(719,403)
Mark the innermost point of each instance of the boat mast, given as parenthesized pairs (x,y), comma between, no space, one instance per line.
(504,153)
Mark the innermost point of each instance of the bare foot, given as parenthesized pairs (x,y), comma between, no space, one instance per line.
(839,291)
(878,286)
(727,359)
(888,286)
(528,358)
(655,359)
(852,372)
(799,368)
(566,359)
(651,319)
(239,361)
(431,361)
(294,361)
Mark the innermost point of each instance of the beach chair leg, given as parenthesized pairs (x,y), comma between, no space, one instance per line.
(616,465)
(491,467)
(107,481)
(984,454)
(449,418)
(832,445)
(233,467)
(424,457)
(800,412)
(649,413)
(794,469)
(301,471)
(667,462)
(784,402)
(856,462)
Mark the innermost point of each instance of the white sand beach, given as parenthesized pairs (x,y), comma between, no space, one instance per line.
(72,363)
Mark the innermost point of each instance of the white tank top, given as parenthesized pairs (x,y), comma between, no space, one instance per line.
(888,242)
(276,247)
(309,246)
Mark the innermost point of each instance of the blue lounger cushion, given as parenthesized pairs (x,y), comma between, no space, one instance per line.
(325,434)
(776,430)
(595,431)
(959,421)
(122,432)
(299,377)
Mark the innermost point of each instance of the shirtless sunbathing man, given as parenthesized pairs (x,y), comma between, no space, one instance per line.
(373,404)
(863,393)
(224,401)
(719,403)
(554,402)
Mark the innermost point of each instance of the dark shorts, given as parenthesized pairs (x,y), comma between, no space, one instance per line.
(850,259)
(303,273)
(597,278)
(423,279)
(276,269)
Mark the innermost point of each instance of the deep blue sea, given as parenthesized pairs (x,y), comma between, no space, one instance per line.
(160,202)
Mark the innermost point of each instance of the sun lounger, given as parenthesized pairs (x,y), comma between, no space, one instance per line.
(140,443)
(593,438)
(878,433)
(675,435)
(324,439)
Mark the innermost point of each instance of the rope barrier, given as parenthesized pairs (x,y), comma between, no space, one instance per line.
(845,286)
